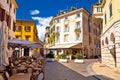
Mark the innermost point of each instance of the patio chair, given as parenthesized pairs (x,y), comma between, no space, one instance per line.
(29,70)
(14,71)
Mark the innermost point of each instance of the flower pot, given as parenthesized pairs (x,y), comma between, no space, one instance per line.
(63,60)
(50,59)
(79,60)
(77,32)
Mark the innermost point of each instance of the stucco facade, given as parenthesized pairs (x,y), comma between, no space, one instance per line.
(110,37)
(7,26)
(8,7)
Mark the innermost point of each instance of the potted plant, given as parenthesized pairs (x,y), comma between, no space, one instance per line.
(50,57)
(73,8)
(78,58)
(62,57)
(77,30)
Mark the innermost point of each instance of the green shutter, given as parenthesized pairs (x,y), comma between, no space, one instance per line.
(100,1)
(110,8)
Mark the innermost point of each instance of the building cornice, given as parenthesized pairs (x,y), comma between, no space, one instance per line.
(15,3)
(71,13)
(110,27)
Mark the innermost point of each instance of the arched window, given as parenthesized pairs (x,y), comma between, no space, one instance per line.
(112,38)
(106,40)
(102,43)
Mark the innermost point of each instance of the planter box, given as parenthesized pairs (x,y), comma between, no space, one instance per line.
(63,60)
(79,60)
(50,59)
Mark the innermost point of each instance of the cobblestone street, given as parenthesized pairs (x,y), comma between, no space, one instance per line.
(68,71)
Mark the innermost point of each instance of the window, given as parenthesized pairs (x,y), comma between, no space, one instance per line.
(66,28)
(8,20)
(14,10)
(2,14)
(78,37)
(102,43)
(58,29)
(27,37)
(17,36)
(78,15)
(66,19)
(110,10)
(105,18)
(106,40)
(10,5)
(65,38)
(27,28)
(58,39)
(13,26)
(100,1)
(7,1)
(99,9)
(78,25)
(58,21)
(18,28)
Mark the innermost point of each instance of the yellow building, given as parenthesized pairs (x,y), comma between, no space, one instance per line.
(109,11)
(27,30)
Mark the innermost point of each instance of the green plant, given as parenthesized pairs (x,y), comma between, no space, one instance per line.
(78,56)
(62,56)
(73,8)
(50,55)
(57,34)
(77,30)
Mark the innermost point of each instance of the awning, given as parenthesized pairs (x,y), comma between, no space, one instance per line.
(66,46)
(23,43)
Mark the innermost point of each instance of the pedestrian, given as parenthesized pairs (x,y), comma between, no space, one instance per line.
(99,59)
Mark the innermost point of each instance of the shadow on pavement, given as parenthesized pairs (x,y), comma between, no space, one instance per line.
(57,71)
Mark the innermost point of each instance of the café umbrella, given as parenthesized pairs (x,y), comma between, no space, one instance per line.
(3,43)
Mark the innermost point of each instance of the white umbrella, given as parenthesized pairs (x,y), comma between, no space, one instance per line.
(24,43)
(3,43)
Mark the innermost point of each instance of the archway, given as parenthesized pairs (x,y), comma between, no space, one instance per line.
(113,49)
(106,40)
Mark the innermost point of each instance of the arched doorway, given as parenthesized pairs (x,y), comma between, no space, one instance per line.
(113,49)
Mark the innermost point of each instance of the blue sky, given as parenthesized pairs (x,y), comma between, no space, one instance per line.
(42,11)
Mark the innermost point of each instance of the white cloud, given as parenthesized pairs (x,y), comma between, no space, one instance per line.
(42,23)
(34,12)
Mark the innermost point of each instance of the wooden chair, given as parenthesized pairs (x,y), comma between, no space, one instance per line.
(14,71)
(29,70)
(6,75)
(1,77)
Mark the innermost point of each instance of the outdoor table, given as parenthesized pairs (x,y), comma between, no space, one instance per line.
(22,69)
(20,76)
(37,69)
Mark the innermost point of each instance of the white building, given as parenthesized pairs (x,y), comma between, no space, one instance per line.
(66,38)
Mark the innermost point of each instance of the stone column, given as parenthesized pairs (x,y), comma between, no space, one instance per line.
(117,42)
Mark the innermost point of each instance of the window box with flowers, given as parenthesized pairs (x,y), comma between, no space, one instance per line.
(77,30)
